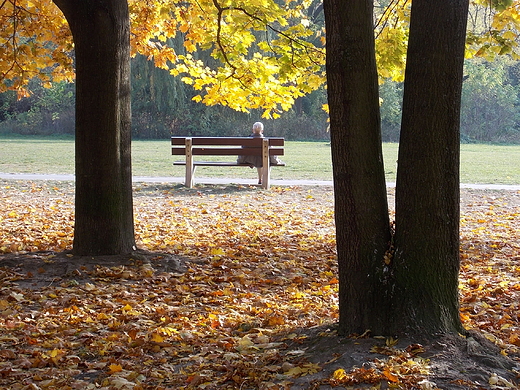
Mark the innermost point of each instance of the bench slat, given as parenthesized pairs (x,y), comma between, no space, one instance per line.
(181,151)
(239,141)
(221,164)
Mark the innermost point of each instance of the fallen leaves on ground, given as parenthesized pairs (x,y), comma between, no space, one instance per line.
(261,266)
(490,270)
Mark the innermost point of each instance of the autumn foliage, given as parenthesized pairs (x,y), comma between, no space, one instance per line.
(256,54)
(259,267)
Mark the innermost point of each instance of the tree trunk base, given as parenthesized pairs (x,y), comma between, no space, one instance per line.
(455,361)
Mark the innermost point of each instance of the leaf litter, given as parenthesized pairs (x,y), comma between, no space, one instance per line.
(233,288)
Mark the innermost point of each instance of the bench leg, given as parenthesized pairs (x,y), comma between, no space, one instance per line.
(190,167)
(190,173)
(266,170)
(266,176)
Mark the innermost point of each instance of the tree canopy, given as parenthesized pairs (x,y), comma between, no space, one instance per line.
(242,54)
(260,53)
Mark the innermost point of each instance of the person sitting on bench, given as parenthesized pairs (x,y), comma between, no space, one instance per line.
(256,161)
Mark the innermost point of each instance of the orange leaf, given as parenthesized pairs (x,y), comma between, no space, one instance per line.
(276,320)
(515,339)
(391,377)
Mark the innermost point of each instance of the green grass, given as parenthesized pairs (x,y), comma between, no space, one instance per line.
(489,164)
(23,154)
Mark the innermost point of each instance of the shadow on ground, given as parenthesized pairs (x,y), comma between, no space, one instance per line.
(454,361)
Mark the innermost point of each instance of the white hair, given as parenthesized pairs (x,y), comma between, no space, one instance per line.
(258,127)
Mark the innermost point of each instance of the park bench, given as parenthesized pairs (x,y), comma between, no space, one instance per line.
(225,146)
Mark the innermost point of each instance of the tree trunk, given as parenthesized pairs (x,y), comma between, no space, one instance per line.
(103,208)
(361,209)
(426,263)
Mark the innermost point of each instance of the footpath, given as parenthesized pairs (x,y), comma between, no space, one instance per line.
(203,180)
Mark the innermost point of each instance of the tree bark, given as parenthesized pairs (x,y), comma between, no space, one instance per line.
(416,291)
(361,209)
(103,208)
(426,263)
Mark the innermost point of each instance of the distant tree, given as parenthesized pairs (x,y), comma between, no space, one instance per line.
(45,111)
(490,103)
(391,93)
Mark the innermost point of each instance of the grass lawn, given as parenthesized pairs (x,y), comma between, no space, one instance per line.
(489,164)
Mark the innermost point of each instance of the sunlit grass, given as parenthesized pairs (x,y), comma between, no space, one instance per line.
(496,164)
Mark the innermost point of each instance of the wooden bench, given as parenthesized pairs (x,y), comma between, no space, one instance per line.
(225,146)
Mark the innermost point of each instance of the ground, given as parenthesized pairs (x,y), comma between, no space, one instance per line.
(323,360)
(456,362)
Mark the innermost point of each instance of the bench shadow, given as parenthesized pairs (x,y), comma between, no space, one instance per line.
(145,189)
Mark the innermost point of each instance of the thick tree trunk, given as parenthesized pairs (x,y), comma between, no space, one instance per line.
(104,211)
(362,222)
(426,263)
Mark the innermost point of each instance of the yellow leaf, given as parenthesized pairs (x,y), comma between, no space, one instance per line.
(54,353)
(102,316)
(339,374)
(217,252)
(115,368)
(390,342)
(157,338)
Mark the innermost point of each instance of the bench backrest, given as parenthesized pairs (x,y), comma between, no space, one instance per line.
(226,146)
